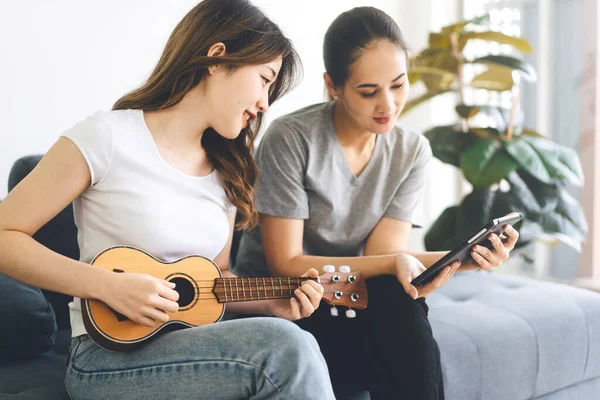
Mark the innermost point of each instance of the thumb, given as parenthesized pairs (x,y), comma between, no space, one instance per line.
(404,278)
(411,290)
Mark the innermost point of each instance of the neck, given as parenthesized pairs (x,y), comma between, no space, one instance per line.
(349,134)
(180,125)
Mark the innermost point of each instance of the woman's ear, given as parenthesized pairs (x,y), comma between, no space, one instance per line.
(216,50)
(332,90)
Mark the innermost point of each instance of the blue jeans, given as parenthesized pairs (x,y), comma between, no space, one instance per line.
(249,358)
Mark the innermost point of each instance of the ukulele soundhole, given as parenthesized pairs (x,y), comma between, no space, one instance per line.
(186,290)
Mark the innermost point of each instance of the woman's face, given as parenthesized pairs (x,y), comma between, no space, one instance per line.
(376,89)
(238,96)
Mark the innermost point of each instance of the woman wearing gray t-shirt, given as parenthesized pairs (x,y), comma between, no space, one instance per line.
(339,185)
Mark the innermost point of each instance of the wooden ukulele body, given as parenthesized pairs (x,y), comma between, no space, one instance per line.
(194,278)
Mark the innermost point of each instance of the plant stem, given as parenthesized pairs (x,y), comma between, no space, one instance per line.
(513,114)
(459,75)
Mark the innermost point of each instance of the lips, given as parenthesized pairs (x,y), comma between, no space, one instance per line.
(246,116)
(383,120)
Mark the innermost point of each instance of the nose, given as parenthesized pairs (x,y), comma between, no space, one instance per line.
(263,103)
(387,103)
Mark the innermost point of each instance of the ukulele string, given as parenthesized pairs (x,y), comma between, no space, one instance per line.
(276,296)
(262,290)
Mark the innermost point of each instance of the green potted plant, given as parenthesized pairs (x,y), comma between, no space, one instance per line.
(510,167)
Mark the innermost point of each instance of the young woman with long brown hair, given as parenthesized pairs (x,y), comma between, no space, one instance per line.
(165,171)
(340,182)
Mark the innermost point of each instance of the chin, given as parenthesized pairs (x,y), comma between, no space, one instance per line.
(232,135)
(229,132)
(381,129)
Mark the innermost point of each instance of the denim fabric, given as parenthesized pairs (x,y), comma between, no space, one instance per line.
(250,358)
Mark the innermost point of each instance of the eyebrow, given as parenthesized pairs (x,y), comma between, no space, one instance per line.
(273,71)
(372,85)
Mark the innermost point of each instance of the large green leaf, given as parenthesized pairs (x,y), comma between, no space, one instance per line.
(495,78)
(445,233)
(457,223)
(527,71)
(448,142)
(561,162)
(528,158)
(421,99)
(439,41)
(550,206)
(570,159)
(565,222)
(531,132)
(518,43)
(467,112)
(438,70)
(486,133)
(525,199)
(486,163)
(427,53)
(546,195)
(437,58)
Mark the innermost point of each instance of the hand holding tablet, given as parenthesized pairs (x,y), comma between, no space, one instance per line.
(462,252)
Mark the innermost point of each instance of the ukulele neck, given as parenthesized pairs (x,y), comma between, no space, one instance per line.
(228,290)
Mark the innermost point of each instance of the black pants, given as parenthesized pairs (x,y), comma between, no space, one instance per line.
(387,349)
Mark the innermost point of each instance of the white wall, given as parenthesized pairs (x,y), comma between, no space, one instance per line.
(63,60)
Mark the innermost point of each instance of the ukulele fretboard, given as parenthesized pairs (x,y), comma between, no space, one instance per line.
(228,290)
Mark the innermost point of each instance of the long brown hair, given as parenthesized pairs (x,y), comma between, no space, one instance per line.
(251,39)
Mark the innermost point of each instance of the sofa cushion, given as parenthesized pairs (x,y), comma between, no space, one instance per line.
(507,337)
(41,378)
(28,322)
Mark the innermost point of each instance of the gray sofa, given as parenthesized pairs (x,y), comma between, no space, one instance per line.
(509,338)
(501,337)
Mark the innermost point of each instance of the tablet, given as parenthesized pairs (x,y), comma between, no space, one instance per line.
(462,252)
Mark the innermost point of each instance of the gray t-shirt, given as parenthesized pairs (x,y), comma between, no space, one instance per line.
(304,175)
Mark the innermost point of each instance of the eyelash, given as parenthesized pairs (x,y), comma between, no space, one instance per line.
(267,81)
(369,95)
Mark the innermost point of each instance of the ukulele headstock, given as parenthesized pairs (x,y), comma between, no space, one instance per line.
(344,288)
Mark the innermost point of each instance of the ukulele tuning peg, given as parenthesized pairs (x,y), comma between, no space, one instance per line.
(334,311)
(350,313)
(329,268)
(344,269)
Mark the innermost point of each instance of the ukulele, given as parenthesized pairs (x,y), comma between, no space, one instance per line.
(203,293)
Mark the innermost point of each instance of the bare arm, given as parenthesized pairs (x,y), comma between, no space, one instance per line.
(61,176)
(282,241)
(390,236)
